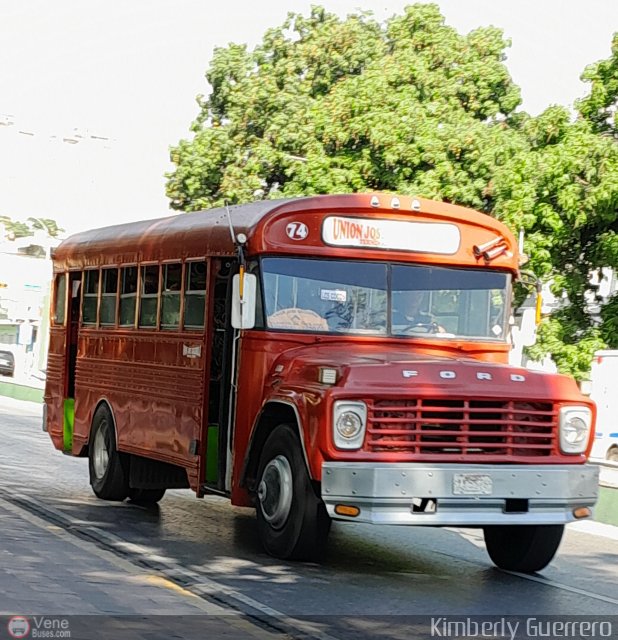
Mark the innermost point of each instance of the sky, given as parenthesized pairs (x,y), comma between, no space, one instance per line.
(94,92)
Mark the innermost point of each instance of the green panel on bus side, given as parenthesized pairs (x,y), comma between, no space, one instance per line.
(68,421)
(212,453)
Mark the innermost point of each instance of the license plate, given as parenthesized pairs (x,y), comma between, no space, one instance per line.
(472,484)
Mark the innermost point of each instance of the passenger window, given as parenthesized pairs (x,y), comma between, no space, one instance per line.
(91,295)
(170,296)
(60,305)
(195,295)
(149,296)
(128,294)
(109,289)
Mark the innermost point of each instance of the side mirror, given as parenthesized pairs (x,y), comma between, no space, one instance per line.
(243,306)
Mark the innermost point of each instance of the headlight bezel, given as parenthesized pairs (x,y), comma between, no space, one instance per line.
(569,416)
(355,408)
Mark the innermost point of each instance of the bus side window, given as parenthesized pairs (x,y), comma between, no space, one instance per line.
(170,296)
(149,296)
(91,296)
(128,295)
(195,295)
(109,288)
(60,304)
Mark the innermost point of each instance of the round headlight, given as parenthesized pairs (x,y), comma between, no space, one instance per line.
(349,424)
(575,430)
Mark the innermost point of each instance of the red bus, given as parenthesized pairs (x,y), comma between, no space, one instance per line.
(332,357)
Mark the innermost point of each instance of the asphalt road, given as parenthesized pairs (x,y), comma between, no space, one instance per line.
(369,570)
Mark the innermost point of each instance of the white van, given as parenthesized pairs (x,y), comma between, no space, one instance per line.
(604,391)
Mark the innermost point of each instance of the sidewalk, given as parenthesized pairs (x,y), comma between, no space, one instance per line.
(45,571)
(22,388)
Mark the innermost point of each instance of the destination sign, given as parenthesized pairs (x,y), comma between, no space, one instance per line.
(399,235)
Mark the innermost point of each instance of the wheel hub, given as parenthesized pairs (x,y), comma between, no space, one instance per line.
(100,456)
(275,491)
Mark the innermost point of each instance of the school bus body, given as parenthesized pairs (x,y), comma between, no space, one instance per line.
(446,421)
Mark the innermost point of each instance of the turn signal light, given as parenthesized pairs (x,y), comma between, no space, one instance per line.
(346,510)
(582,512)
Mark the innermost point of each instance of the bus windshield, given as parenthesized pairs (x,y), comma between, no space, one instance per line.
(384,299)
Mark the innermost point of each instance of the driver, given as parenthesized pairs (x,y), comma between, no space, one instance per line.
(408,312)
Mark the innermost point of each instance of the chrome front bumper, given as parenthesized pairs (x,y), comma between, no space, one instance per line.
(385,492)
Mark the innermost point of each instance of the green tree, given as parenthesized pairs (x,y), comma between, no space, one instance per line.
(328,105)
(14,229)
(600,106)
(23,229)
(49,226)
(563,191)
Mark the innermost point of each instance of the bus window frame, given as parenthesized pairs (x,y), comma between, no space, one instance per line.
(163,265)
(135,294)
(95,324)
(186,292)
(114,324)
(149,296)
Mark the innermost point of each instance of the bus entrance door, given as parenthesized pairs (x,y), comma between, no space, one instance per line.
(214,462)
(75,281)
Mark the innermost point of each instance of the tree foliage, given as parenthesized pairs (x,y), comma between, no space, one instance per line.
(22,229)
(332,105)
(563,191)
(601,105)
(327,105)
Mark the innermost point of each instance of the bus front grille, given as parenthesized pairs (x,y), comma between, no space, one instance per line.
(462,428)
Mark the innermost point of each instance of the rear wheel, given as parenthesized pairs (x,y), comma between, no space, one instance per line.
(292,520)
(612,454)
(108,467)
(146,496)
(523,548)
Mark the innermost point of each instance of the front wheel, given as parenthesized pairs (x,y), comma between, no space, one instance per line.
(292,520)
(107,466)
(523,548)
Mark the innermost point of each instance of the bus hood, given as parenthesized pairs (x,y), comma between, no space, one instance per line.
(371,370)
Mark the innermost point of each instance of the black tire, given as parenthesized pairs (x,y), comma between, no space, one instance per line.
(523,548)
(109,468)
(300,530)
(146,496)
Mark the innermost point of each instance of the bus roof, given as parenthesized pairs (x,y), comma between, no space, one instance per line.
(204,233)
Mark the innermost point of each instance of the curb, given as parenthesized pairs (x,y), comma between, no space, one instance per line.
(21,391)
